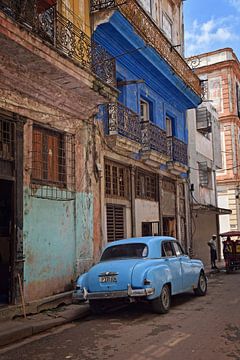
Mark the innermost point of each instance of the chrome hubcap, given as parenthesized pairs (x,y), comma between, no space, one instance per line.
(202,283)
(165,297)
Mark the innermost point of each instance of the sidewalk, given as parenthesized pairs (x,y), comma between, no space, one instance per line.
(20,328)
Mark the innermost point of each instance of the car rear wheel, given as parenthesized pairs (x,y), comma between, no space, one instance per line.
(162,304)
(201,290)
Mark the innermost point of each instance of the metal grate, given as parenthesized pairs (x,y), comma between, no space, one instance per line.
(115,222)
(203,120)
(7,140)
(203,173)
(53,164)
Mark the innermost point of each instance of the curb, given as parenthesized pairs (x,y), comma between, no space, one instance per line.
(17,330)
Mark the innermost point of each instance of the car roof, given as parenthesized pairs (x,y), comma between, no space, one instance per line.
(146,240)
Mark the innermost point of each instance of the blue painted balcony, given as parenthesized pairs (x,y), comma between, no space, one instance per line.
(130,134)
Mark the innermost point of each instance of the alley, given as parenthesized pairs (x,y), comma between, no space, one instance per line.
(195,328)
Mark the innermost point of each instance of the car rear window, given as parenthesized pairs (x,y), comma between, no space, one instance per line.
(125,251)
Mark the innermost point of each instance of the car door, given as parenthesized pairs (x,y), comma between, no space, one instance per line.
(186,266)
(174,265)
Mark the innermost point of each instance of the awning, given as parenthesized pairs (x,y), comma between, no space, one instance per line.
(231,233)
(210,208)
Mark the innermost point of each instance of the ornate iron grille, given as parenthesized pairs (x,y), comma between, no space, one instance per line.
(58,30)
(177,150)
(154,138)
(7,140)
(123,121)
(53,164)
(150,32)
(97,5)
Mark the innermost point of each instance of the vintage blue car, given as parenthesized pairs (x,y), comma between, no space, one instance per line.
(147,268)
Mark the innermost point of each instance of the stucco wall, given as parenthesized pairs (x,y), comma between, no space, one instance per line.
(204,225)
(54,241)
(146,211)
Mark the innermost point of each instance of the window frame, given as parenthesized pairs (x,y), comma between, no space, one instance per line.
(146,186)
(114,187)
(52,143)
(170,22)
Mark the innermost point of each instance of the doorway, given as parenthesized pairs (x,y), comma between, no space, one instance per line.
(150,228)
(169,226)
(6,221)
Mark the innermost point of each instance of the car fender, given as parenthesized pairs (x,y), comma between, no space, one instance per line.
(82,281)
(158,276)
(197,268)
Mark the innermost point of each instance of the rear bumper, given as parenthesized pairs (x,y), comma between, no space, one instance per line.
(83,295)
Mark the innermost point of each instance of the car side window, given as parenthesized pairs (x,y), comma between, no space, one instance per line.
(178,249)
(167,249)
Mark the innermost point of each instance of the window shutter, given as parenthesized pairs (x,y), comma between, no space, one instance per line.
(115,222)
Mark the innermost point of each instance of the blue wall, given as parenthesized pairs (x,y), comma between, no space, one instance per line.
(166,92)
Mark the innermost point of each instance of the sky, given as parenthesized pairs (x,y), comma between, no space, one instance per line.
(211,25)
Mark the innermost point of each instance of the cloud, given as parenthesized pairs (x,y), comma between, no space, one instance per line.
(210,35)
(235,3)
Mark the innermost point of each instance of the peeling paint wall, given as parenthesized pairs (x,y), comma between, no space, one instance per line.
(54,241)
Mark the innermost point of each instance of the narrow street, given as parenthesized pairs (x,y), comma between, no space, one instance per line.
(196,328)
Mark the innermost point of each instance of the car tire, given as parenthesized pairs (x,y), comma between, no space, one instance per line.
(201,290)
(161,304)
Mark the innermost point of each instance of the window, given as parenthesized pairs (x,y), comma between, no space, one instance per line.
(144,110)
(205,175)
(115,222)
(238,99)
(147,5)
(48,157)
(146,185)
(178,249)
(167,249)
(169,129)
(167,25)
(7,139)
(126,251)
(116,180)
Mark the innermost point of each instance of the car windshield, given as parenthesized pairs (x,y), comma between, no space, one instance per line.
(125,251)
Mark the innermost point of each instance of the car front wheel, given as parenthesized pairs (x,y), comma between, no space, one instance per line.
(201,290)
(162,304)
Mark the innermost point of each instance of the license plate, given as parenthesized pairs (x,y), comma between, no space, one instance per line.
(109,278)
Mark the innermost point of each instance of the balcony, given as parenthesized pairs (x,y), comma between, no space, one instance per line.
(127,133)
(67,38)
(177,152)
(153,36)
(120,120)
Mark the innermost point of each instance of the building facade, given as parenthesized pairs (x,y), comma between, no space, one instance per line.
(205,160)
(144,160)
(50,88)
(220,71)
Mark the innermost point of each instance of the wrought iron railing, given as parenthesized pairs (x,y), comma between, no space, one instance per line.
(153,36)
(59,31)
(177,150)
(154,138)
(123,121)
